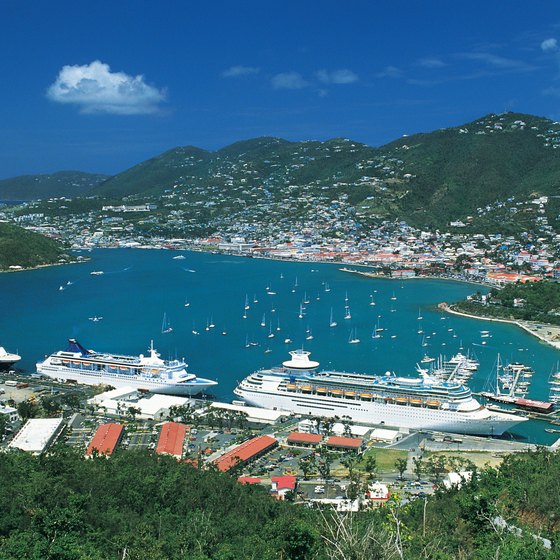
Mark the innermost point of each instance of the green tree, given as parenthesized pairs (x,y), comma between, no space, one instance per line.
(401,465)
(371,466)
(26,410)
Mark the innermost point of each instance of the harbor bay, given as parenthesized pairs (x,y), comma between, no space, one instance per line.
(222,311)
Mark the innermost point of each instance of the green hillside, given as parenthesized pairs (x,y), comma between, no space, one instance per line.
(425,179)
(19,247)
(62,183)
(141,506)
(458,170)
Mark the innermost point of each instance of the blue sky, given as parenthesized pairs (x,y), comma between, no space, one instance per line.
(100,86)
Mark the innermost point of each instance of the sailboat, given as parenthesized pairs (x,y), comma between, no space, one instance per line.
(166,326)
(270,333)
(187,304)
(419,315)
(305,300)
(263,322)
(393,297)
(347,315)
(371,302)
(300,311)
(332,322)
(353,339)
(247,306)
(327,288)
(309,334)
(377,331)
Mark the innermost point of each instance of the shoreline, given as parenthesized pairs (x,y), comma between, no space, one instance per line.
(375,275)
(552,337)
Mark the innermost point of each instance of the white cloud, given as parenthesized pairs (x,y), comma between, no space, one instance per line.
(431,63)
(552,91)
(498,61)
(343,76)
(95,89)
(288,80)
(390,72)
(238,71)
(549,45)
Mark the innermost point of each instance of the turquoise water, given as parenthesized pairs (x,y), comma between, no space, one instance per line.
(139,286)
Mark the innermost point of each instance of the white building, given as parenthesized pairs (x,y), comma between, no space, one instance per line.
(456,479)
(254,414)
(151,406)
(38,434)
(10,413)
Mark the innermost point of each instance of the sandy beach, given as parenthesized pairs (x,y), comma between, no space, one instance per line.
(550,334)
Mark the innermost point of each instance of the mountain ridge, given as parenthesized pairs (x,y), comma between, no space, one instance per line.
(428,179)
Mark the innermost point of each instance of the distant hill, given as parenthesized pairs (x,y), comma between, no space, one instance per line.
(62,183)
(458,170)
(427,179)
(20,247)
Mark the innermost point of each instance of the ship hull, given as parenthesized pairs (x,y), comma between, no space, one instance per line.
(153,385)
(478,422)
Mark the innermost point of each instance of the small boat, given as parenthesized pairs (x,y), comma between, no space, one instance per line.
(268,351)
(332,322)
(95,318)
(287,341)
(353,337)
(96,272)
(166,326)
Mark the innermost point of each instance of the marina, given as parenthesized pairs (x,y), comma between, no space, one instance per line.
(392,343)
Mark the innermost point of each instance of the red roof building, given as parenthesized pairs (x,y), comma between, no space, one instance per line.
(344,443)
(249,480)
(302,438)
(105,439)
(171,439)
(281,485)
(245,452)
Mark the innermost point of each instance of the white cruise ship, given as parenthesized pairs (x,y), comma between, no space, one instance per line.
(7,359)
(418,403)
(151,373)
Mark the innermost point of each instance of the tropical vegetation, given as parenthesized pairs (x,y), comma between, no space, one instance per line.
(137,505)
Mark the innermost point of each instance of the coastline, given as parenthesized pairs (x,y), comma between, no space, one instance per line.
(431,277)
(550,336)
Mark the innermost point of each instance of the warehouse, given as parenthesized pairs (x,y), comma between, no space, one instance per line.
(38,434)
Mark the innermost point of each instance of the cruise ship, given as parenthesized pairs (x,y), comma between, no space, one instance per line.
(150,373)
(7,359)
(419,403)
